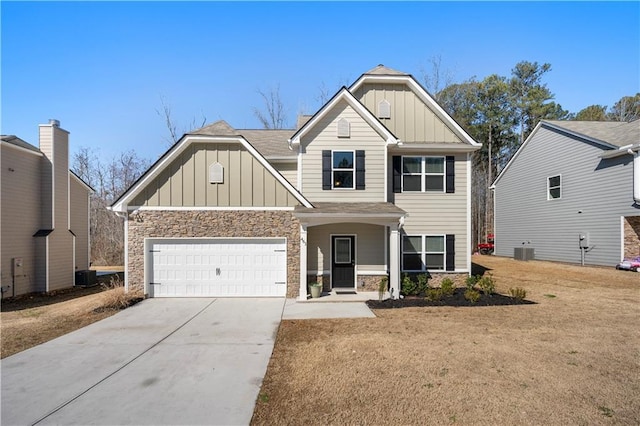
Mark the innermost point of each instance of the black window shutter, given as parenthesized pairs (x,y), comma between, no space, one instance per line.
(326,169)
(359,169)
(451,252)
(451,174)
(397,173)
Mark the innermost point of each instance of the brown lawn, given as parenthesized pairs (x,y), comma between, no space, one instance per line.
(573,357)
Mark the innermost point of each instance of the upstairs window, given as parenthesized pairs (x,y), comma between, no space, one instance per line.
(554,187)
(424,174)
(343,169)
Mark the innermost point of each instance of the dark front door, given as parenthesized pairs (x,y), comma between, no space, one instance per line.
(344,261)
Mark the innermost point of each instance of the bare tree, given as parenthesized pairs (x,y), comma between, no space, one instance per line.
(165,112)
(436,78)
(273,116)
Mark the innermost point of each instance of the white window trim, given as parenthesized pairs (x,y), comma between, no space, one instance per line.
(549,187)
(423,172)
(423,252)
(353,170)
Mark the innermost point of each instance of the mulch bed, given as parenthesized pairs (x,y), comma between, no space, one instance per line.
(457,300)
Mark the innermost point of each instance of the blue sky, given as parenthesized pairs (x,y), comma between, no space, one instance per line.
(102,68)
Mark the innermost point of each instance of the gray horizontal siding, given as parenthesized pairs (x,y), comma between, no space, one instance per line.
(601,189)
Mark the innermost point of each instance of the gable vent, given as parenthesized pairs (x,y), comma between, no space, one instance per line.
(384,109)
(216,173)
(344,128)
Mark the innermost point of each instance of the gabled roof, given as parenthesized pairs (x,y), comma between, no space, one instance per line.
(614,138)
(344,95)
(382,74)
(121,204)
(16,141)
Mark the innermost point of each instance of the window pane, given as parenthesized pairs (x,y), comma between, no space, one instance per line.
(411,164)
(435,261)
(412,262)
(434,183)
(411,183)
(343,250)
(554,193)
(554,181)
(434,165)
(343,160)
(343,179)
(434,244)
(412,244)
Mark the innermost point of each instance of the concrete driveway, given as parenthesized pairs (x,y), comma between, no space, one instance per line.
(163,361)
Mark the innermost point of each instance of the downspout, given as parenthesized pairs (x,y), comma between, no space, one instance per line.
(636,175)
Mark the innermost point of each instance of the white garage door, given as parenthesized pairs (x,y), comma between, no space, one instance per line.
(217,268)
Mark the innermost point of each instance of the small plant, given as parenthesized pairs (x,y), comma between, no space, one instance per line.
(472,295)
(423,284)
(550,296)
(518,293)
(382,287)
(408,287)
(487,284)
(606,411)
(448,287)
(434,294)
(472,280)
(114,296)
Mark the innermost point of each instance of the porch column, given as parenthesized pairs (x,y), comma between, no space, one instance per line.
(303,262)
(394,261)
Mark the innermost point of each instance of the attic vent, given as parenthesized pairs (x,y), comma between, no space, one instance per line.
(384,109)
(216,173)
(344,128)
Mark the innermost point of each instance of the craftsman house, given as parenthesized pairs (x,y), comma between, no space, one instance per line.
(45,214)
(572,193)
(374,184)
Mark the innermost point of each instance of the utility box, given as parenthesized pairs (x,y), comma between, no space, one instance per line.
(524,253)
(583,240)
(86,278)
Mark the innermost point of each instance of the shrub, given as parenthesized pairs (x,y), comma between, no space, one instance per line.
(423,284)
(408,287)
(448,287)
(114,296)
(382,287)
(487,284)
(518,293)
(472,295)
(472,280)
(434,294)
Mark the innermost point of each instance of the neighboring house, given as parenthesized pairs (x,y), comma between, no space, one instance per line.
(44,214)
(374,184)
(571,179)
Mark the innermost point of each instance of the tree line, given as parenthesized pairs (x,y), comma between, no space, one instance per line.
(498,111)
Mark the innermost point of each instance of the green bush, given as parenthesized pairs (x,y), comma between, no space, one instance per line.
(472,295)
(423,284)
(434,294)
(408,287)
(487,284)
(518,293)
(472,280)
(448,287)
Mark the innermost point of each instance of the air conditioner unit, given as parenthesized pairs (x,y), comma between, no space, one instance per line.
(524,253)
(86,278)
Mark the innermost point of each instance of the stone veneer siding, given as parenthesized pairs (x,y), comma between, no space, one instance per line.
(213,224)
(632,236)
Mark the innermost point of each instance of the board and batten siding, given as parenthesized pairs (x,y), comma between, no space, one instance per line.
(20,216)
(602,190)
(438,213)
(323,136)
(370,243)
(289,170)
(185,182)
(79,211)
(411,119)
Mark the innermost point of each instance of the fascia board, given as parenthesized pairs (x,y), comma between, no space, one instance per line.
(580,135)
(423,95)
(435,147)
(21,149)
(344,94)
(156,169)
(83,183)
(623,150)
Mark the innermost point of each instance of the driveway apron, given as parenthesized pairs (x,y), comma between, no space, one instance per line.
(163,361)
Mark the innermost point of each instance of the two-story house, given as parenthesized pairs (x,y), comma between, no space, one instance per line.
(374,184)
(572,193)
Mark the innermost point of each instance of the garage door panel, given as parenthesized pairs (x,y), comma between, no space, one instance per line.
(250,268)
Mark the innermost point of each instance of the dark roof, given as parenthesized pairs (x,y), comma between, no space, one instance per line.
(360,209)
(612,132)
(270,143)
(382,70)
(43,232)
(14,140)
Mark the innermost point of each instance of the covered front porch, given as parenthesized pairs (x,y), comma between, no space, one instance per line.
(350,247)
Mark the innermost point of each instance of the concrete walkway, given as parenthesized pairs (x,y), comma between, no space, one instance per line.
(163,361)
